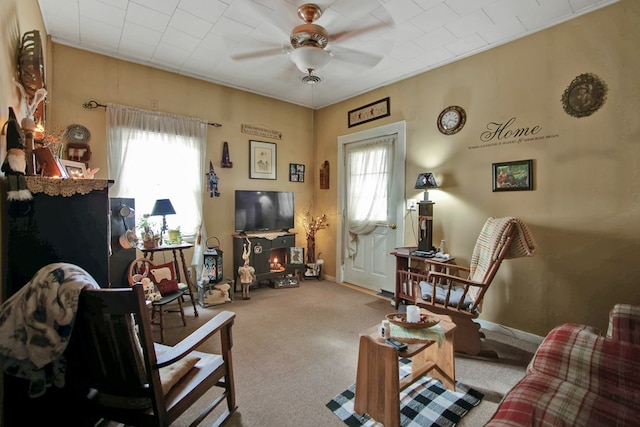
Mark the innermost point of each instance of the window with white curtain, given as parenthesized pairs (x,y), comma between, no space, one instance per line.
(158,156)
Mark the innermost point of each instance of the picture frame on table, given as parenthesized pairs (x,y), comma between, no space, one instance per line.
(76,170)
(262,160)
(512,176)
(296,255)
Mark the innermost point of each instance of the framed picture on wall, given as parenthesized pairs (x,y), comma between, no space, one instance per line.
(513,176)
(296,172)
(262,160)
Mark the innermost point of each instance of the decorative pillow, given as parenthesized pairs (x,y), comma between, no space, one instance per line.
(162,272)
(166,287)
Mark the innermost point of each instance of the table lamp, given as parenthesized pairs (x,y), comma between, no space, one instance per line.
(163,207)
(425,181)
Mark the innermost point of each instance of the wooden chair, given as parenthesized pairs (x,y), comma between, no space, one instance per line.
(125,378)
(140,269)
(458,291)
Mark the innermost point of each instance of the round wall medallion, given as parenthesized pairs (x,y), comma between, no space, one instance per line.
(77,133)
(451,120)
(584,96)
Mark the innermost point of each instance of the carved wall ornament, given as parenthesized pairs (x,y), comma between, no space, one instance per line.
(584,96)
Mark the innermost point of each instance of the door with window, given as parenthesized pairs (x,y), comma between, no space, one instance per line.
(371,175)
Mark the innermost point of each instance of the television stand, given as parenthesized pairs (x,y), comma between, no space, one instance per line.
(267,251)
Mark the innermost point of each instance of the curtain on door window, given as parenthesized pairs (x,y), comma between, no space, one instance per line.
(154,156)
(369,166)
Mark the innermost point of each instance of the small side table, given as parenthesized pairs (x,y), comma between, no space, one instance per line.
(148,253)
(378,383)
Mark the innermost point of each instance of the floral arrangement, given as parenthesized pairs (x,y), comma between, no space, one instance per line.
(311,226)
(53,141)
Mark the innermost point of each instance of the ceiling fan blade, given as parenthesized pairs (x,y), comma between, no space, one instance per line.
(340,36)
(260,53)
(353,56)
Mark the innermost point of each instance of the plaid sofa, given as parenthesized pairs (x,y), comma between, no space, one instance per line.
(579,378)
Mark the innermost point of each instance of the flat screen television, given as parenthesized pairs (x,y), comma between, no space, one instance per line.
(264,211)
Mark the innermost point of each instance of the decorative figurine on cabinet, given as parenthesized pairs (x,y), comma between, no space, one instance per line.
(247,273)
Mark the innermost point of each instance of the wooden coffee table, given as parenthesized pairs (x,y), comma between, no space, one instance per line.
(378,382)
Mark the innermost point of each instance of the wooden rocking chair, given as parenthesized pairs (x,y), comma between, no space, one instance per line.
(133,381)
(458,291)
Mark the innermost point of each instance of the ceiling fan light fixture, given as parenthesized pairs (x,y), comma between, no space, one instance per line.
(308,58)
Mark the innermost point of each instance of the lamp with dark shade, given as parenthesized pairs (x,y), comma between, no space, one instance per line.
(425,181)
(163,207)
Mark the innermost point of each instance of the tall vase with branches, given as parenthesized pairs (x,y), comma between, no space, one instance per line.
(311,226)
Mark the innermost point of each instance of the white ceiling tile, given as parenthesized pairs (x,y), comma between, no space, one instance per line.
(231,29)
(435,38)
(101,12)
(469,24)
(190,24)
(179,39)
(169,55)
(141,34)
(209,10)
(402,10)
(165,7)
(466,45)
(200,37)
(436,17)
(99,34)
(146,17)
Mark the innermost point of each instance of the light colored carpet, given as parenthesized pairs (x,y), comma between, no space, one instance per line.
(296,348)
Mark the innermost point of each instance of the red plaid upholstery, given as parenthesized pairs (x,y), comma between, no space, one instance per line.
(578,378)
(624,323)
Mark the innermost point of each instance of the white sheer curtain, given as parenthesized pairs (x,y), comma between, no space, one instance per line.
(154,155)
(369,170)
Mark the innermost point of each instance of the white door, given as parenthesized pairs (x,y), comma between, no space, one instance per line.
(372,266)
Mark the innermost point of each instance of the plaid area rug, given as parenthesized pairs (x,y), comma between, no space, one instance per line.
(424,403)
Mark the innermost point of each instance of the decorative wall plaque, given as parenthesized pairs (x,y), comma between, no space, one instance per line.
(584,96)
(261,131)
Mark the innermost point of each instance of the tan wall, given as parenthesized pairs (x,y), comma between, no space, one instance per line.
(80,76)
(585,205)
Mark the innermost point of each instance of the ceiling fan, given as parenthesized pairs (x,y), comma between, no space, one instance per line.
(311,47)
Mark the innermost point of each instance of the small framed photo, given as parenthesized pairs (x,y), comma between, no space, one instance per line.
(296,172)
(262,160)
(513,176)
(296,256)
(76,170)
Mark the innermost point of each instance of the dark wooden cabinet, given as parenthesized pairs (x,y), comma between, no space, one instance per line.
(264,252)
(65,223)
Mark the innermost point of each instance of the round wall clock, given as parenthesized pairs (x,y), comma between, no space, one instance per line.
(451,120)
(584,96)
